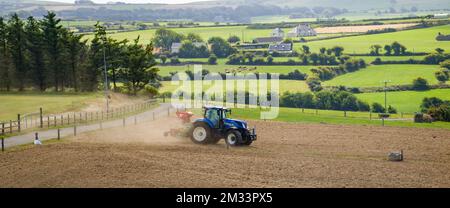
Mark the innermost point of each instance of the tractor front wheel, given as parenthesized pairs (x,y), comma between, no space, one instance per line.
(233,138)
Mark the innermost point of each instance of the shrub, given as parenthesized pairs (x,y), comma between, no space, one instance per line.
(422,118)
(440,113)
(441,76)
(420,84)
(150,90)
(363,106)
(269,59)
(431,102)
(174,60)
(378,108)
(212,60)
(391,110)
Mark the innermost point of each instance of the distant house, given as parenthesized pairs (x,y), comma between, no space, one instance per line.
(268,40)
(157,50)
(278,32)
(84,2)
(441,16)
(302,30)
(280,48)
(175,48)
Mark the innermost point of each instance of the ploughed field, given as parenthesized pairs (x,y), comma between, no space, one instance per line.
(285,155)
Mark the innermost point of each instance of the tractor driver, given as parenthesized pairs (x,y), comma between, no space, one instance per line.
(213,116)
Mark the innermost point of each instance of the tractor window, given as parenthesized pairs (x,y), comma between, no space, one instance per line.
(213,116)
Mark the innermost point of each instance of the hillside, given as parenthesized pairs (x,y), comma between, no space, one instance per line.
(219,11)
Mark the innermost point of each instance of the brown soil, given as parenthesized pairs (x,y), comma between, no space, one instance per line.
(362,28)
(285,155)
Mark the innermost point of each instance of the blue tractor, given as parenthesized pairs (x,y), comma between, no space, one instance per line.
(216,125)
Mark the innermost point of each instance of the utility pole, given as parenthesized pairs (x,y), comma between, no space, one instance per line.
(385,94)
(106,74)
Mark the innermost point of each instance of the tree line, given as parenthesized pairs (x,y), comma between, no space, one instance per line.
(42,55)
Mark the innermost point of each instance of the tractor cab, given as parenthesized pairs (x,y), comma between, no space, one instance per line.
(216,116)
(215,125)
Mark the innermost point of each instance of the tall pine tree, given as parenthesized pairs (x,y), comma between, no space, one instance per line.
(17,46)
(52,32)
(5,80)
(34,36)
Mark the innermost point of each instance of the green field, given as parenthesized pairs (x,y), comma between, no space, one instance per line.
(165,70)
(405,101)
(23,103)
(418,40)
(205,32)
(370,59)
(285,85)
(279,18)
(374,75)
(332,117)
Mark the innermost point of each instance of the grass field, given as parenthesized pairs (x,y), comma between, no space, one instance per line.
(205,32)
(418,40)
(23,103)
(372,76)
(331,117)
(370,59)
(405,101)
(165,70)
(285,85)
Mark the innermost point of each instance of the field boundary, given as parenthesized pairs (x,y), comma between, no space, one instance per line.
(38,120)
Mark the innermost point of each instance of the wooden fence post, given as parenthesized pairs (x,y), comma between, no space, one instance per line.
(10,127)
(3,144)
(59,134)
(48,121)
(55,122)
(62,120)
(345,113)
(75,130)
(18,122)
(41,118)
(370,115)
(3,128)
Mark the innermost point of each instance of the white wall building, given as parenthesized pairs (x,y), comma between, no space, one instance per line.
(302,30)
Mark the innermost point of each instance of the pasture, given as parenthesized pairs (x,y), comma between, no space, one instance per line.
(284,85)
(374,75)
(405,101)
(204,32)
(165,70)
(14,103)
(418,40)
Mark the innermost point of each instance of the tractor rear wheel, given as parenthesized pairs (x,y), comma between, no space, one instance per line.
(233,138)
(201,134)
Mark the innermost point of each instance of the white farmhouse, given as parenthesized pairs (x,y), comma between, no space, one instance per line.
(278,32)
(175,47)
(302,30)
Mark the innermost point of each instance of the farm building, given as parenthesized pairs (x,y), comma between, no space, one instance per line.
(278,32)
(280,48)
(175,47)
(269,40)
(441,16)
(302,30)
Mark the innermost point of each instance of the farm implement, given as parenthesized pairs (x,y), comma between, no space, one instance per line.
(214,126)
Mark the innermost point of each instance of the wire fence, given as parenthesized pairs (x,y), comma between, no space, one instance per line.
(40,120)
(119,120)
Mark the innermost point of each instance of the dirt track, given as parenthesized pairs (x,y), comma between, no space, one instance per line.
(286,155)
